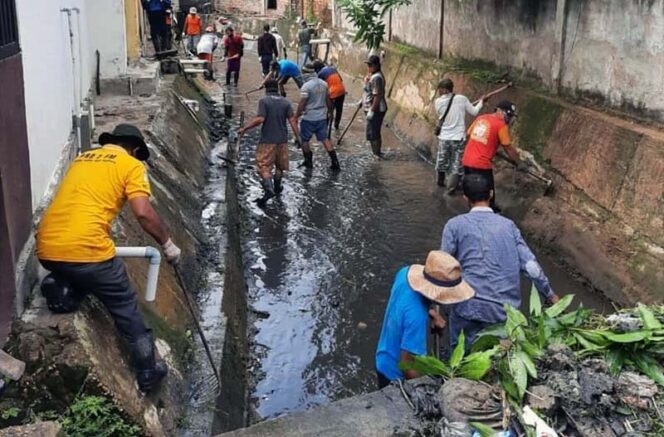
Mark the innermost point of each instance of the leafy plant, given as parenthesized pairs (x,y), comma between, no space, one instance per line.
(473,366)
(367,17)
(96,416)
(10,413)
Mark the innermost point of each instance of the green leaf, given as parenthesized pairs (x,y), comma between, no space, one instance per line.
(556,309)
(515,319)
(531,349)
(497,330)
(627,337)
(587,344)
(616,360)
(519,373)
(506,379)
(476,365)
(458,352)
(535,302)
(426,365)
(484,430)
(485,342)
(650,322)
(528,363)
(649,367)
(594,336)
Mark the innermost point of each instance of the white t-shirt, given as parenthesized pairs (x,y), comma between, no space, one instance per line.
(454,128)
(207,43)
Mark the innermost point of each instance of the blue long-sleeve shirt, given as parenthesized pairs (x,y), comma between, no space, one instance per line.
(491,252)
(156,5)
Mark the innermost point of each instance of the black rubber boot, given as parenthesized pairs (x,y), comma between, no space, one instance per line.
(278,187)
(149,371)
(268,192)
(335,161)
(376,145)
(452,184)
(308,160)
(440,180)
(228,78)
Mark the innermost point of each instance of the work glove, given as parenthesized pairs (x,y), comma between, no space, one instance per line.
(172,252)
(522,167)
(370,115)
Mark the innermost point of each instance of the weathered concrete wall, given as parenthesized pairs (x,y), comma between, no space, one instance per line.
(607,170)
(606,51)
(107,23)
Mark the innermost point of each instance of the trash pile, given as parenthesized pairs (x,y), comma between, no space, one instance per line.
(555,373)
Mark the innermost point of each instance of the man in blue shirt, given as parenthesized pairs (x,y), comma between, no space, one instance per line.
(156,12)
(282,71)
(492,254)
(415,290)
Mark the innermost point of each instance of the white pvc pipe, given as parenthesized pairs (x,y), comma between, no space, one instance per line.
(154,256)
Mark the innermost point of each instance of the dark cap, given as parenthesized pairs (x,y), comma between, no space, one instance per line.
(507,107)
(318,65)
(373,60)
(446,84)
(271,86)
(476,187)
(127,133)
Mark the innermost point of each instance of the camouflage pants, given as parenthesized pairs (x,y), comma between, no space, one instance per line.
(448,158)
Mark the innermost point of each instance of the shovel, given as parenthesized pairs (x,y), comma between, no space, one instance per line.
(548,189)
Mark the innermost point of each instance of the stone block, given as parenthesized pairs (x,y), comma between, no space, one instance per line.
(42,429)
(10,366)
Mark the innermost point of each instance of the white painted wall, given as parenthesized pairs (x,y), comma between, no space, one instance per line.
(53,82)
(106,22)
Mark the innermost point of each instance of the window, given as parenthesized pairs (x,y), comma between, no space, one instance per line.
(8,29)
(272,4)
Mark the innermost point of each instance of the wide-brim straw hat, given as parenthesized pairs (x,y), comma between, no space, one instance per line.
(439,279)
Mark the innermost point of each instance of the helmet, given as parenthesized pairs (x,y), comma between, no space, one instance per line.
(192,10)
(60,295)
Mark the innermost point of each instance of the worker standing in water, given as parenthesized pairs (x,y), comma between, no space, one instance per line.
(336,88)
(375,104)
(74,240)
(267,49)
(233,51)
(192,30)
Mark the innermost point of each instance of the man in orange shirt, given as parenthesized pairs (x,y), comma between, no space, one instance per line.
(74,240)
(335,85)
(485,135)
(192,30)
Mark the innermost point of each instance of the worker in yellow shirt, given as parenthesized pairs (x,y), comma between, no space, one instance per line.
(74,240)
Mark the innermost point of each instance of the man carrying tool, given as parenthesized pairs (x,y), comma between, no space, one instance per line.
(375,105)
(233,51)
(267,49)
(415,292)
(315,107)
(283,71)
(156,11)
(451,131)
(486,134)
(336,88)
(492,254)
(74,241)
(304,43)
(281,46)
(191,31)
(273,113)
(206,47)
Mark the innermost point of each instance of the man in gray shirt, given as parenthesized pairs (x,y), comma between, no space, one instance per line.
(273,113)
(375,105)
(315,107)
(304,43)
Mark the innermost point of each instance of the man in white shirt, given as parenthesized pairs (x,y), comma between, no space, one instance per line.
(451,112)
(205,48)
(281,46)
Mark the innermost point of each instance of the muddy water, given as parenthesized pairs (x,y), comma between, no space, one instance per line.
(320,261)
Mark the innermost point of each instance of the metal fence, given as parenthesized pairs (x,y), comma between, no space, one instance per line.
(8,29)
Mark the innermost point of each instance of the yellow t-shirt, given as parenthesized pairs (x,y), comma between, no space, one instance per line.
(76,227)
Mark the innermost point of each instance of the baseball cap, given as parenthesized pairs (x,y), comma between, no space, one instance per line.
(373,60)
(508,107)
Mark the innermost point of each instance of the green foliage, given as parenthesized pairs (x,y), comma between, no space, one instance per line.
(10,413)
(484,430)
(96,416)
(367,17)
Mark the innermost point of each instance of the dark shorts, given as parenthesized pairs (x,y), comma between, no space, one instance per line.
(374,125)
(310,128)
(297,79)
(233,65)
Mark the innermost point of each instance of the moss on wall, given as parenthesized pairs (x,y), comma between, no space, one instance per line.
(535,123)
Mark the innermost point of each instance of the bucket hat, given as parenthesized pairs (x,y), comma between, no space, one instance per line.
(439,279)
(373,60)
(127,132)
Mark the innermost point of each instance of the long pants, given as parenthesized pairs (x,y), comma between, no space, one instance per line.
(157,29)
(108,281)
(488,173)
(192,42)
(303,56)
(266,60)
(470,330)
(448,158)
(338,108)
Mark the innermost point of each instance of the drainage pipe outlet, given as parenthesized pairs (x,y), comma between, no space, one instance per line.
(151,254)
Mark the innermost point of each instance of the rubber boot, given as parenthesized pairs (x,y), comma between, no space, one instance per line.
(268,192)
(149,371)
(440,180)
(452,184)
(278,187)
(335,161)
(228,78)
(308,160)
(376,146)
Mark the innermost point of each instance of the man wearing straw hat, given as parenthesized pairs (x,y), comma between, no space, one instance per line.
(416,288)
(492,254)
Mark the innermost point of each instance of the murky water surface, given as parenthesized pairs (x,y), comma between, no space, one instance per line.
(321,260)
